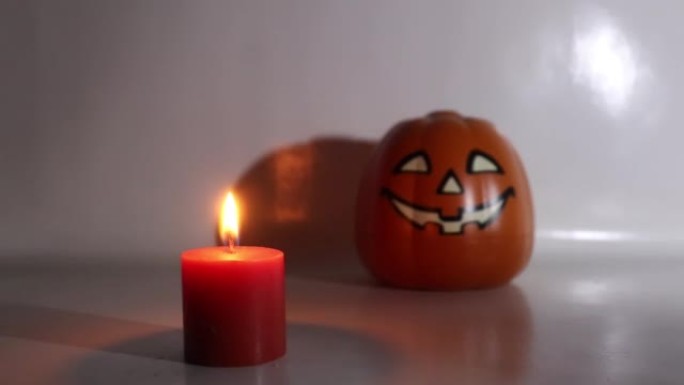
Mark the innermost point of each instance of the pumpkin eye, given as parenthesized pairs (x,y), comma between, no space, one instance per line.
(418,162)
(479,162)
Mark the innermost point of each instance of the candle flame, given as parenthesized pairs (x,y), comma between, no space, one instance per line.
(228,223)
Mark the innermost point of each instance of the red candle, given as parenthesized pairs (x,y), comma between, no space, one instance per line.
(233,301)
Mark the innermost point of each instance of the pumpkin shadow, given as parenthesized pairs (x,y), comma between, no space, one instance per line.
(300,199)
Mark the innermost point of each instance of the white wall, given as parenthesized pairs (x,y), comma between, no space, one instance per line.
(123,121)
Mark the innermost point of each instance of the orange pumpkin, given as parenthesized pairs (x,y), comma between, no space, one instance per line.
(444,204)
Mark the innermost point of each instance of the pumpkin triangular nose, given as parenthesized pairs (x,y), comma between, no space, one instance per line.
(450,184)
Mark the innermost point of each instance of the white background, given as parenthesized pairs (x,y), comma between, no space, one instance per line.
(123,122)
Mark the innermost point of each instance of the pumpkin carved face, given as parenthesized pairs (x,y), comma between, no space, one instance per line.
(444,204)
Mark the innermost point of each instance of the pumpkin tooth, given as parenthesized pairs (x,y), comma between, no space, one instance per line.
(482,214)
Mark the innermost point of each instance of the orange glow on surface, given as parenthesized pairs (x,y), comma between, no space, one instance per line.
(229,219)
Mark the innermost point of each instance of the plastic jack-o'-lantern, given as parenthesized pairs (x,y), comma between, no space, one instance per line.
(444,204)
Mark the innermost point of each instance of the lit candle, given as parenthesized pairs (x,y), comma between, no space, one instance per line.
(233,300)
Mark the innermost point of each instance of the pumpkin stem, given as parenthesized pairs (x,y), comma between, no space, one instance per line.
(444,114)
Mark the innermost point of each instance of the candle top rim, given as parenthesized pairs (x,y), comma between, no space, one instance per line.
(241,254)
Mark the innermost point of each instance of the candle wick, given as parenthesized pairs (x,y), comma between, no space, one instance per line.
(231,245)
(230,241)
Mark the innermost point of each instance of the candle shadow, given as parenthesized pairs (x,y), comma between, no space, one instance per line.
(316,355)
(89,331)
(301,199)
(313,351)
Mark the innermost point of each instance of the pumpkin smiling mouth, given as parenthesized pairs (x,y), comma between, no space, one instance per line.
(482,214)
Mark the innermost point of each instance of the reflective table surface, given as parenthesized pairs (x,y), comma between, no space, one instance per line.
(614,319)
